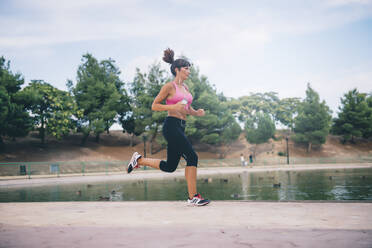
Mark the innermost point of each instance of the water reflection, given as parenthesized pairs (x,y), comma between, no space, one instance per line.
(350,184)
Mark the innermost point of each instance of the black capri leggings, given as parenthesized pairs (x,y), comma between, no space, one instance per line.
(178,145)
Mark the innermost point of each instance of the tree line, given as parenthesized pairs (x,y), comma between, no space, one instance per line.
(99,98)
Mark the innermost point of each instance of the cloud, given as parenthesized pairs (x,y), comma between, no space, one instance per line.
(348,2)
(55,22)
(228,41)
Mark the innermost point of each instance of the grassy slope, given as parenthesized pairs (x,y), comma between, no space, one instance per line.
(115,146)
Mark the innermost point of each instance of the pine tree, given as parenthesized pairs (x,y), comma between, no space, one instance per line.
(97,95)
(144,89)
(14,118)
(313,121)
(355,117)
(218,126)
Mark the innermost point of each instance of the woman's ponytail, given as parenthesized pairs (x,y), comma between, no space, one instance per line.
(168,56)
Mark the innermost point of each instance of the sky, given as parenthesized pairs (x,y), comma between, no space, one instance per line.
(241,46)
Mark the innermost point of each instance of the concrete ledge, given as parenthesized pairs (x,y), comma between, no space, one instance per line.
(153,174)
(174,224)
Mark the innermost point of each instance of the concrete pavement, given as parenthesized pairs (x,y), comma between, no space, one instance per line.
(174,224)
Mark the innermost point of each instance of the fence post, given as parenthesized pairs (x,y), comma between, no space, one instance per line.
(54,168)
(22,170)
(29,171)
(83,168)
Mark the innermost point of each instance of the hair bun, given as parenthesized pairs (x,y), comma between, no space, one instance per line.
(168,56)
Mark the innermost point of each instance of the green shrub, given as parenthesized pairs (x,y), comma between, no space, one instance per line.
(282,154)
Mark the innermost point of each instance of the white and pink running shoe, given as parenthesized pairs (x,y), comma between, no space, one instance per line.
(133,162)
(197,200)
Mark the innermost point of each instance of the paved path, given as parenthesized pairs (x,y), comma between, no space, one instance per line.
(173,224)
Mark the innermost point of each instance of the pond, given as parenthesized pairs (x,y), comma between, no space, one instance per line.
(331,185)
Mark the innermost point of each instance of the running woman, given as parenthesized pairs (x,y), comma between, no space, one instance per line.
(178,104)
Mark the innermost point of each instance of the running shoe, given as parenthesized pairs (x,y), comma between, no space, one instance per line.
(133,162)
(197,200)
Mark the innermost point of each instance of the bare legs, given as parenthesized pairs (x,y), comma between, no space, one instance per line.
(151,162)
(190,173)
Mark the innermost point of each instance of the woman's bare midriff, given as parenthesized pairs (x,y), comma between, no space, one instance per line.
(177,114)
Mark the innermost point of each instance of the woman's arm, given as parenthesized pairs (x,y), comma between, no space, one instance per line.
(199,112)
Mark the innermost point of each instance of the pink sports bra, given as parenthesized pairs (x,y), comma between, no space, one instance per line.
(179,96)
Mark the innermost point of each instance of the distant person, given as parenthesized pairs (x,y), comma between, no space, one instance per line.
(250,158)
(242,160)
(178,104)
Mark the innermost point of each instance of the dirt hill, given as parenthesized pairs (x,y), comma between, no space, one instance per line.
(115,146)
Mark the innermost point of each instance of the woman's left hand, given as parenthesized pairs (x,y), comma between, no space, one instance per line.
(200,112)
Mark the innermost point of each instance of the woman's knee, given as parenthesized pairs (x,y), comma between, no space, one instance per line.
(192,159)
(167,167)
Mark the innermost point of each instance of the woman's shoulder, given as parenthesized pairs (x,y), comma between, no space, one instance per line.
(169,85)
